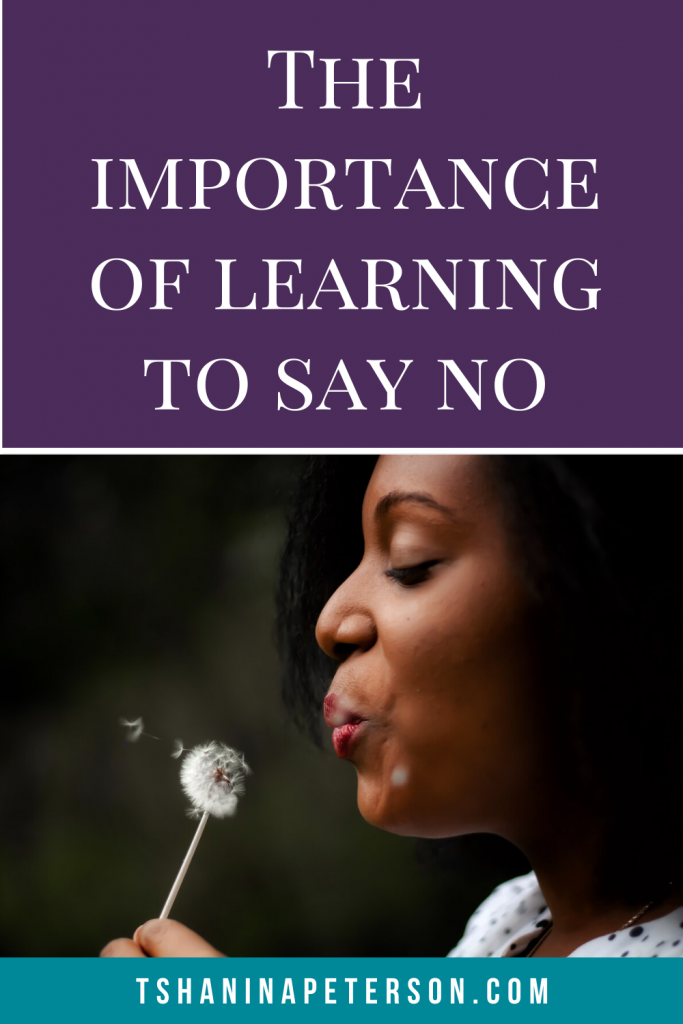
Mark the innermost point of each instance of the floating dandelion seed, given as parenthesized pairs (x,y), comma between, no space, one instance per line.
(399,776)
(212,777)
(135,729)
(178,748)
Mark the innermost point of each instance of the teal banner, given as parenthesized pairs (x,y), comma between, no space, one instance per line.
(322,990)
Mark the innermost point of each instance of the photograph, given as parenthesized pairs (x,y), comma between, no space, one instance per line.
(193,646)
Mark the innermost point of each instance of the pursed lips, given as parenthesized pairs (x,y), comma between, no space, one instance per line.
(345,724)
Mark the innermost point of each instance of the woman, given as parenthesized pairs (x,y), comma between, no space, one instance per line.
(502,646)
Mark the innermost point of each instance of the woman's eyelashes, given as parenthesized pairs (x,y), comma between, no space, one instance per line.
(411,575)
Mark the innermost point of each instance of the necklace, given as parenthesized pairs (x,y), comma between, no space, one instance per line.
(632,920)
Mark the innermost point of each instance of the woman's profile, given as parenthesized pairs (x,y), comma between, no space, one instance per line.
(494,644)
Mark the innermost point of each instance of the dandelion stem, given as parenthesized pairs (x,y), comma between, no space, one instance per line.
(183,869)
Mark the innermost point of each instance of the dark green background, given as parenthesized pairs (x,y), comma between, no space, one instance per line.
(143,585)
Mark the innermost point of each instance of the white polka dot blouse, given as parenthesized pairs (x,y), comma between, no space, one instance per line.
(515,913)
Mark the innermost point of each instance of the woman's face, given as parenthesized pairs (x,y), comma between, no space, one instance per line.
(434,701)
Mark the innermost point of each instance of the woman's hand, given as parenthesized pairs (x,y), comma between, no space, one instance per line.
(161,938)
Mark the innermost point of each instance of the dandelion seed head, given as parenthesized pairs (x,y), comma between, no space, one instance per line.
(212,776)
(135,729)
(399,776)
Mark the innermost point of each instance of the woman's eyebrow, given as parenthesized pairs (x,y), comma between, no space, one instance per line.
(394,498)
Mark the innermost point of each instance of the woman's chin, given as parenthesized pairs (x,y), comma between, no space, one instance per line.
(403,811)
(389,807)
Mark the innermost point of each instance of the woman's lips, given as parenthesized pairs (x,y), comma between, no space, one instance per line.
(344,736)
(345,725)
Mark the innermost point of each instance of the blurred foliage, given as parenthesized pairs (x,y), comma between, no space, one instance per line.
(142,585)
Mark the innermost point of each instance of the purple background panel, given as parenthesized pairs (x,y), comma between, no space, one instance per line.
(159,79)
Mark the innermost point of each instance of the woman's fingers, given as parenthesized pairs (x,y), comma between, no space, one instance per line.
(170,938)
(161,938)
(122,947)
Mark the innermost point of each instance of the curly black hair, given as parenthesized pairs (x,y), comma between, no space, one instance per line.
(600,543)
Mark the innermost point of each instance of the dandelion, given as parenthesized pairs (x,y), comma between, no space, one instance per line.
(212,777)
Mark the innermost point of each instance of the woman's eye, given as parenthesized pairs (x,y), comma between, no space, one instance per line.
(411,575)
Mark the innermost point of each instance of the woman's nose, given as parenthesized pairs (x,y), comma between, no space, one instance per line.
(345,626)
